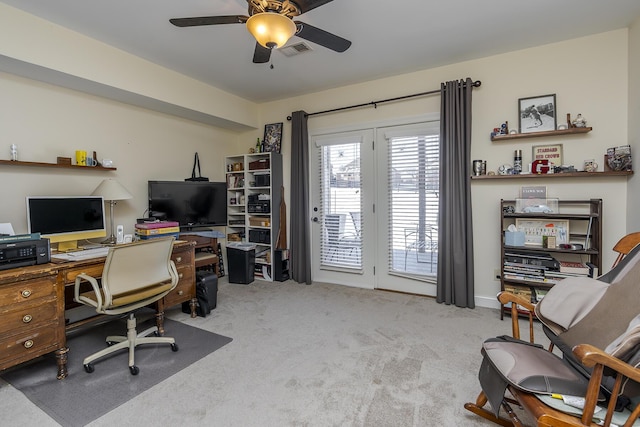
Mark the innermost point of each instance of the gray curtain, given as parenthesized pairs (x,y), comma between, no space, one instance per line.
(455,245)
(300,254)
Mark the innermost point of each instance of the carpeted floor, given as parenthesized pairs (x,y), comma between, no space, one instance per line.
(82,397)
(309,356)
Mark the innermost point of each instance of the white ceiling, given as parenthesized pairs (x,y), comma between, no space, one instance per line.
(389,37)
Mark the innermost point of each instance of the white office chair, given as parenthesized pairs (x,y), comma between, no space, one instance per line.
(134,276)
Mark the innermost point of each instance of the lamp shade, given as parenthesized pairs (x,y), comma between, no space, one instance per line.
(110,189)
(270,29)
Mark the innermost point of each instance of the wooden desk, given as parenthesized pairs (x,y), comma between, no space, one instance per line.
(32,305)
(205,251)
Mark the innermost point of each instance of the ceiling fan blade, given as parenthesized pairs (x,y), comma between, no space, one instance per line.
(261,54)
(307,5)
(209,20)
(322,37)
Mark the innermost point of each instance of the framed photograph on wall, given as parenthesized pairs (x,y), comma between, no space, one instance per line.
(272,137)
(537,114)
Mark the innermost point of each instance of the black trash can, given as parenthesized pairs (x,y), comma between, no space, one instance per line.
(241,262)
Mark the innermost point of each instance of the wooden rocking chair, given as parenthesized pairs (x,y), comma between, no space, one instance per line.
(596,326)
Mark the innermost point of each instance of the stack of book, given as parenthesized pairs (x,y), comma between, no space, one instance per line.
(529,266)
(150,230)
(573,269)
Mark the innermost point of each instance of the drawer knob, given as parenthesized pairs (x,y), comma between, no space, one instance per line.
(27,318)
(28,344)
(26,293)
(180,292)
(178,259)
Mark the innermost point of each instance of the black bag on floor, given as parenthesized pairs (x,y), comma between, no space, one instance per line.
(206,294)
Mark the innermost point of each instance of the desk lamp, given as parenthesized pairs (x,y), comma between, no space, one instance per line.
(112,191)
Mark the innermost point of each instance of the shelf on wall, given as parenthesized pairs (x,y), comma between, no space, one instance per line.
(603,174)
(53,165)
(559,132)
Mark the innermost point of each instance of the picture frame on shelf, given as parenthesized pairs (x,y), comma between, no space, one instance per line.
(537,113)
(535,229)
(273,137)
(550,152)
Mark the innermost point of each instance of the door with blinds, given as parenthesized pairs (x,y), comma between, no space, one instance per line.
(408,202)
(342,208)
(375,208)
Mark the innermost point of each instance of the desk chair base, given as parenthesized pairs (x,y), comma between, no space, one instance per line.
(132,340)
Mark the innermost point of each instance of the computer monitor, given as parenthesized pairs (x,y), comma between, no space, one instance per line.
(66,219)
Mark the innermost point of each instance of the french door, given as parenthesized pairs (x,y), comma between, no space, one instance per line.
(374,207)
(408,190)
(342,208)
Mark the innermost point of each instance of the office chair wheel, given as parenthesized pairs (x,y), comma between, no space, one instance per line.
(174,347)
(134,370)
(89,368)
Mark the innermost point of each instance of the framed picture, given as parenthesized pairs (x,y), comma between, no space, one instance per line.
(552,153)
(535,229)
(272,137)
(537,114)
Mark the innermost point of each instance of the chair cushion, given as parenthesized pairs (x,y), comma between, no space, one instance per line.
(627,345)
(532,368)
(127,298)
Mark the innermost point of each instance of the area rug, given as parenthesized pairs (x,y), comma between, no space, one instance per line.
(82,397)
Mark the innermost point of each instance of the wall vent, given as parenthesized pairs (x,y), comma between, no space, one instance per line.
(295,49)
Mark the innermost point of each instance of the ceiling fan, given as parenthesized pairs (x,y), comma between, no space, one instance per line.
(271,23)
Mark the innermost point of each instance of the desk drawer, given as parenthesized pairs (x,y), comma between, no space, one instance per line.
(27,291)
(184,291)
(29,344)
(182,258)
(27,316)
(95,270)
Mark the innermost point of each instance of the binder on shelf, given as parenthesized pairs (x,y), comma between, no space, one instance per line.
(158,224)
(155,236)
(153,231)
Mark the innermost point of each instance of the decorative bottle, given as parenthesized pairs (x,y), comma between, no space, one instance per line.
(517,162)
(258,146)
(14,152)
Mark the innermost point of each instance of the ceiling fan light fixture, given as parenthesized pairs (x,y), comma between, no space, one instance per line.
(270,29)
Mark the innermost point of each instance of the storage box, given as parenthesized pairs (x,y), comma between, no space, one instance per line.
(514,238)
(259,164)
(259,221)
(234,237)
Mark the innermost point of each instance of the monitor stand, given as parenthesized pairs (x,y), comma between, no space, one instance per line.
(69,246)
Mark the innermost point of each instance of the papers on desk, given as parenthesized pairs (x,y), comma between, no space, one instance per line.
(6,229)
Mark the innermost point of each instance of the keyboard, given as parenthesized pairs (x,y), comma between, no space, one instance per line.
(81,255)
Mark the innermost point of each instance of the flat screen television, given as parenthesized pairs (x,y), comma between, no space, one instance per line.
(190,203)
(66,219)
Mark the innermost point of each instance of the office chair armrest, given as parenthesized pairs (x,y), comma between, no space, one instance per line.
(519,305)
(96,289)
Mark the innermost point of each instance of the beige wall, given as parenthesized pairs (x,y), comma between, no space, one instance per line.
(588,75)
(47,121)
